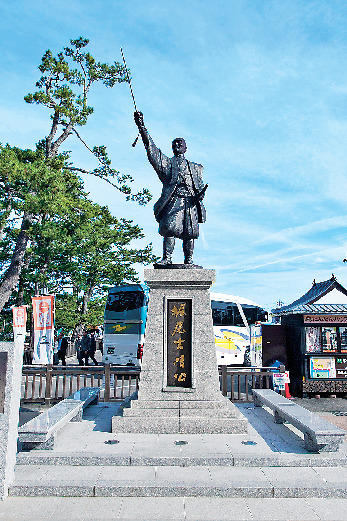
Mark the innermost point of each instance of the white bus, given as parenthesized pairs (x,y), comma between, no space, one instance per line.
(124,324)
(232,317)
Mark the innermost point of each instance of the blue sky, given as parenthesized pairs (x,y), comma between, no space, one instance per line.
(257,88)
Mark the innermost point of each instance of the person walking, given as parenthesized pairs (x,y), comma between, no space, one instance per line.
(85,347)
(78,346)
(92,348)
(55,351)
(62,348)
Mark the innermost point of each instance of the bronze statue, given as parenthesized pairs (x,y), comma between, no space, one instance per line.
(179,210)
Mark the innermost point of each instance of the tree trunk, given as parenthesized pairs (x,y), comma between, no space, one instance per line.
(3,219)
(11,277)
(20,295)
(86,298)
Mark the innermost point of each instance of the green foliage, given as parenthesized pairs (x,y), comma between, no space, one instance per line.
(68,312)
(59,76)
(37,186)
(34,184)
(68,240)
(95,314)
(63,88)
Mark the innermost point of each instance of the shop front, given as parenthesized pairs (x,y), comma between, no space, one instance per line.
(325,353)
(316,339)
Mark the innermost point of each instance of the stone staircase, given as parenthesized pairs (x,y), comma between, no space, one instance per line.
(93,475)
(269,461)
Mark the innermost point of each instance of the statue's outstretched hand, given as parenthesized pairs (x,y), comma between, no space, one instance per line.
(138,117)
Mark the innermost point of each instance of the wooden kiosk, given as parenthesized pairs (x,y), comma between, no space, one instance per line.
(316,339)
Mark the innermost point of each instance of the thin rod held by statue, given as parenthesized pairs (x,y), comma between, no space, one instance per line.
(132,94)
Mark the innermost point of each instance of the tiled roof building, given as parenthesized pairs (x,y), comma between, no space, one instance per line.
(315,329)
(312,301)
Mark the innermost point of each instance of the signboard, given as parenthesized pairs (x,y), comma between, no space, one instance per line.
(179,343)
(313,339)
(325,319)
(279,379)
(19,322)
(341,367)
(3,369)
(43,312)
(256,345)
(322,367)
(122,328)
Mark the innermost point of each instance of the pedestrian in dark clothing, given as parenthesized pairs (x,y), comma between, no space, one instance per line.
(55,351)
(85,347)
(79,352)
(92,349)
(62,348)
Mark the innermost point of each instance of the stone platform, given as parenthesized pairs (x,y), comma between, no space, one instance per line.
(185,417)
(269,462)
(167,403)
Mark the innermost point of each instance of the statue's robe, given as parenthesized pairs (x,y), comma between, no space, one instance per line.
(178,210)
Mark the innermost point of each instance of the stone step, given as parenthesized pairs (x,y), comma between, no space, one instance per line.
(181,413)
(179,425)
(170,481)
(183,460)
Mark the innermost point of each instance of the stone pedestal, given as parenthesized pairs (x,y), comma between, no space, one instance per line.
(179,385)
(11,362)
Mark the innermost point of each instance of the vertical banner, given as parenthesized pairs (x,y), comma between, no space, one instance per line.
(43,312)
(19,323)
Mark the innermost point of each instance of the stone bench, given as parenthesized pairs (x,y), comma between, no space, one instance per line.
(319,434)
(39,433)
(87,395)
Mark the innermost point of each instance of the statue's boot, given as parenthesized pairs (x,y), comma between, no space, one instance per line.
(168,248)
(188,248)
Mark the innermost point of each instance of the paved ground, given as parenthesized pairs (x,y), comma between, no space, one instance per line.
(270,460)
(275,462)
(173,508)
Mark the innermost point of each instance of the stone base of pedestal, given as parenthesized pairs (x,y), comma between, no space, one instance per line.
(179,385)
(181,417)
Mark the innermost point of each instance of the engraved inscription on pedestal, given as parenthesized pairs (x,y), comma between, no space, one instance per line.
(3,367)
(179,343)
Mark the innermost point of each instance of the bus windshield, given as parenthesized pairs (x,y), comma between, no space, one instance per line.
(125,301)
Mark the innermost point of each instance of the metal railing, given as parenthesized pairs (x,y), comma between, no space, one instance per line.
(50,384)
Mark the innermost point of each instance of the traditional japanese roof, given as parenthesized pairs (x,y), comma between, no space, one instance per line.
(306,303)
(320,309)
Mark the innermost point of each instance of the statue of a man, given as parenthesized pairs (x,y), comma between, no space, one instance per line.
(179,210)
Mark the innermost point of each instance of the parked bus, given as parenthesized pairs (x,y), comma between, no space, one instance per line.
(124,324)
(125,321)
(232,317)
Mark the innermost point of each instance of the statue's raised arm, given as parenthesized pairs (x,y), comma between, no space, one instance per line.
(158,160)
(180,209)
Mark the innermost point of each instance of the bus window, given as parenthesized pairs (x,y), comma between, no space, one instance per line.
(125,301)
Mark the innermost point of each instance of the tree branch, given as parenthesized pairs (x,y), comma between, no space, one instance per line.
(83,171)
(66,133)
(52,133)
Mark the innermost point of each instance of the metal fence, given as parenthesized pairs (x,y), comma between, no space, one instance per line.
(50,384)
